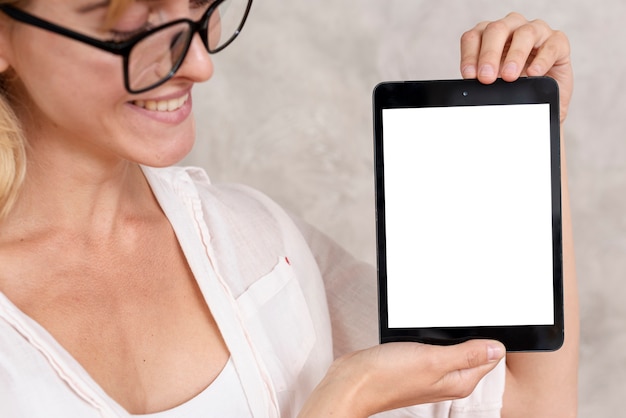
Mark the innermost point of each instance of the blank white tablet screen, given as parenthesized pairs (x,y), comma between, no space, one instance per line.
(468,216)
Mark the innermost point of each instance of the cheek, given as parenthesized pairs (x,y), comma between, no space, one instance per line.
(52,60)
(61,77)
(102,75)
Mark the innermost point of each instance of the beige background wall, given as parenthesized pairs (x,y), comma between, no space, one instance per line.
(289,111)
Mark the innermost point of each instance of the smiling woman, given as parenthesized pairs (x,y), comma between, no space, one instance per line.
(146,64)
(132,287)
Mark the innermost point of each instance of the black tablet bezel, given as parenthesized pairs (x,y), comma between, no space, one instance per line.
(438,93)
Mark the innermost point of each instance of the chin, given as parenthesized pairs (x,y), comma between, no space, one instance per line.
(171,148)
(171,155)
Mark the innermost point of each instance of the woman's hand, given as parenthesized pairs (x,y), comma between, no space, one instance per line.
(395,375)
(514,47)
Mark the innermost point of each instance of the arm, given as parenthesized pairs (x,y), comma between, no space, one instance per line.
(546,384)
(538,384)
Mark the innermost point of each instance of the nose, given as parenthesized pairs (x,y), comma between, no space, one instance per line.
(197,65)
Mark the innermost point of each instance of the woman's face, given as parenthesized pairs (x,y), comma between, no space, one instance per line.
(69,94)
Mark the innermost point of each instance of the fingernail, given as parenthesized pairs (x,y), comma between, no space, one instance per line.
(469,71)
(494,352)
(510,69)
(487,71)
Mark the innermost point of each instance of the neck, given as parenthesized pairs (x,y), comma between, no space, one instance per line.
(90,198)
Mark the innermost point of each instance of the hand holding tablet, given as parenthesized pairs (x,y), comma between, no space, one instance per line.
(469,212)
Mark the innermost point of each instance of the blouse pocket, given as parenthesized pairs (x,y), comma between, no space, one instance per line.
(276,315)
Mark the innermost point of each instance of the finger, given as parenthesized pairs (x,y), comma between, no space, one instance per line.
(476,353)
(470,49)
(482,47)
(554,52)
(526,39)
(467,355)
(471,361)
(495,37)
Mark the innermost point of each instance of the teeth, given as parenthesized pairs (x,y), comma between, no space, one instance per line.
(162,105)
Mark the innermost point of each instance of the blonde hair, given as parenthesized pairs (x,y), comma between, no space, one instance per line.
(12,157)
(12,140)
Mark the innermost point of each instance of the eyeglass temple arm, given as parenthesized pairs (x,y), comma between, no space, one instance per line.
(21,16)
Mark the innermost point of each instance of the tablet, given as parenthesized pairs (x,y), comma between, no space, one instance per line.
(468,212)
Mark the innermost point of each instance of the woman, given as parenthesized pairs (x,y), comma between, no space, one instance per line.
(132,289)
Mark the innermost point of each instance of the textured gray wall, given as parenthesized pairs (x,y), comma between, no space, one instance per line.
(289,112)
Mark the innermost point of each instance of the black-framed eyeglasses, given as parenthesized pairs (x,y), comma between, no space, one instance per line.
(153,57)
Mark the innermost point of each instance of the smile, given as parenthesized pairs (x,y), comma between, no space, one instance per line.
(162,105)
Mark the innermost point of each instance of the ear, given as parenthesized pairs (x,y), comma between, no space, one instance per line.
(4,64)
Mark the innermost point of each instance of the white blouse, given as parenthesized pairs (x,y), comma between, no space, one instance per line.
(286,299)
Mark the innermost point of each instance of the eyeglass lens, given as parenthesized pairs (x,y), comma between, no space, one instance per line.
(157,56)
